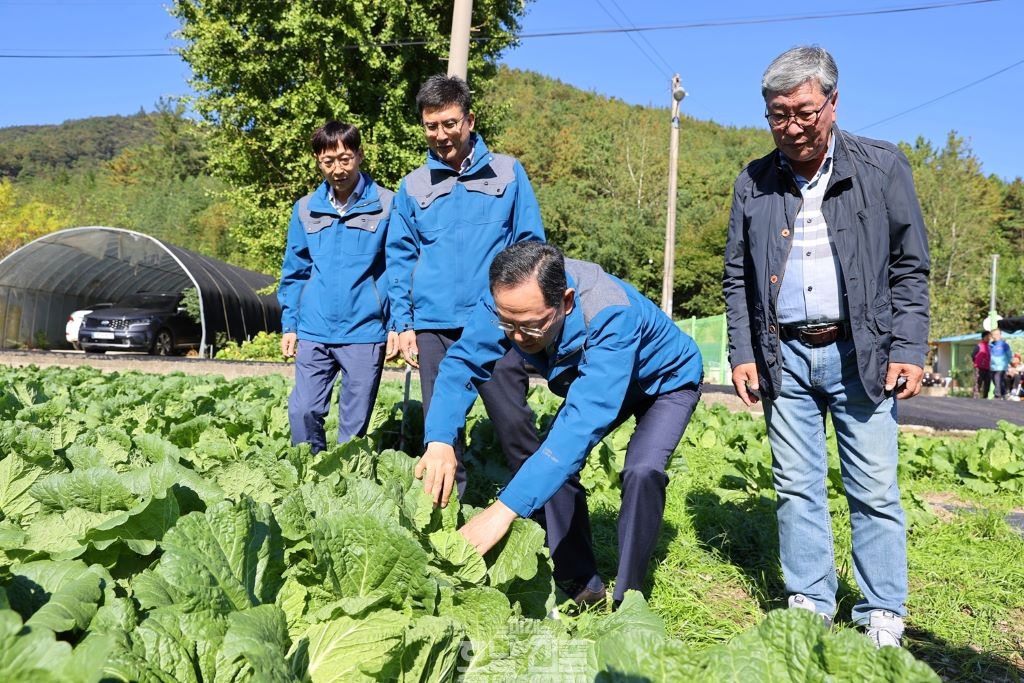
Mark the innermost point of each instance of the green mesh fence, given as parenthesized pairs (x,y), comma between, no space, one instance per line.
(711,337)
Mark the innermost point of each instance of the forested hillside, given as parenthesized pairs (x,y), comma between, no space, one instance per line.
(145,172)
(27,151)
(599,167)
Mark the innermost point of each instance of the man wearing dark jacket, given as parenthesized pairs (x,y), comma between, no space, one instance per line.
(826,289)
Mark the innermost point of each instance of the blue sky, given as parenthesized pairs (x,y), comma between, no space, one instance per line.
(908,68)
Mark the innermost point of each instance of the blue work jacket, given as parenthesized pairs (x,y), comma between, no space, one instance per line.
(333,287)
(445,229)
(615,348)
(874,217)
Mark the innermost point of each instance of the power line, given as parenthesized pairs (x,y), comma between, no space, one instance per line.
(628,30)
(105,56)
(576,32)
(644,52)
(943,96)
(758,20)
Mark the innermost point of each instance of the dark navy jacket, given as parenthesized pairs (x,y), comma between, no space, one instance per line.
(874,217)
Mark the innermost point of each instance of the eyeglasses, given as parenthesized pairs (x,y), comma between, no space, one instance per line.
(804,119)
(449,126)
(331,162)
(526,330)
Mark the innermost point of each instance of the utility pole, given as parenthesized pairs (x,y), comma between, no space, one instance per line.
(458,50)
(992,321)
(668,277)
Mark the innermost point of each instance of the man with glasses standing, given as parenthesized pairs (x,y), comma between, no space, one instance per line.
(335,244)
(451,216)
(826,291)
(605,348)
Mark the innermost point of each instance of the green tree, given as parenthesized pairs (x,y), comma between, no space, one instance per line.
(23,221)
(45,151)
(962,211)
(601,178)
(267,73)
(1011,227)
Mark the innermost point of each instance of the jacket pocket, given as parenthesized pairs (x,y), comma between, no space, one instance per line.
(315,224)
(360,235)
(881,316)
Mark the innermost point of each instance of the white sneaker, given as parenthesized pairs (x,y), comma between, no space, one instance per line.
(885,628)
(800,601)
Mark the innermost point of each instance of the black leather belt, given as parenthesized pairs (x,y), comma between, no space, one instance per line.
(820,334)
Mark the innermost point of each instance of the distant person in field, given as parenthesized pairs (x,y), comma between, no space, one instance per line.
(451,216)
(610,353)
(999,354)
(1014,377)
(333,295)
(826,292)
(982,373)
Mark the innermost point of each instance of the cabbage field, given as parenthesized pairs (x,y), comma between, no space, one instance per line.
(162,528)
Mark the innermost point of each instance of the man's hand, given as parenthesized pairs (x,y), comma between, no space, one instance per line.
(407,345)
(744,380)
(392,348)
(289,343)
(486,529)
(903,380)
(437,470)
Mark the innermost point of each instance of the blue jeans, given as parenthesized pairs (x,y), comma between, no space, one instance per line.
(316,368)
(816,381)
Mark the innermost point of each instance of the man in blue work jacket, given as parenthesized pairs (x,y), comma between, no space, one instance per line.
(451,216)
(610,353)
(332,291)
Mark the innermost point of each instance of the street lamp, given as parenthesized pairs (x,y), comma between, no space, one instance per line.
(678,93)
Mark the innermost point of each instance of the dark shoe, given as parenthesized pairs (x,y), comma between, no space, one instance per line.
(589,598)
(583,593)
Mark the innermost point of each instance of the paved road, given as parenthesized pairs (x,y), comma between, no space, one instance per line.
(943,413)
(931,412)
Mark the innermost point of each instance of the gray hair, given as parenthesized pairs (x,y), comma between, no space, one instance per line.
(797,66)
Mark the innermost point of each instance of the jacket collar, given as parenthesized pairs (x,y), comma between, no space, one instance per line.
(481,157)
(842,162)
(574,329)
(367,202)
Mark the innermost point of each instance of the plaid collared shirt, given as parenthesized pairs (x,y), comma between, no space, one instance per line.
(812,287)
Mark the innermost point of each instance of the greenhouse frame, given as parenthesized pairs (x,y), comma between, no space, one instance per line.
(42,282)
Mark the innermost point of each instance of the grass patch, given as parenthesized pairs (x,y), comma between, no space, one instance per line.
(716,573)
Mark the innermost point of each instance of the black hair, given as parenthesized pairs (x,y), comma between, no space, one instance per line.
(334,134)
(441,91)
(525,261)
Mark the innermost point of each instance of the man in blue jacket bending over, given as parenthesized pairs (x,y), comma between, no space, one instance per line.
(451,216)
(610,353)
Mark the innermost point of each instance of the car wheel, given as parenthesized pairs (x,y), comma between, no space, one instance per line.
(163,344)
